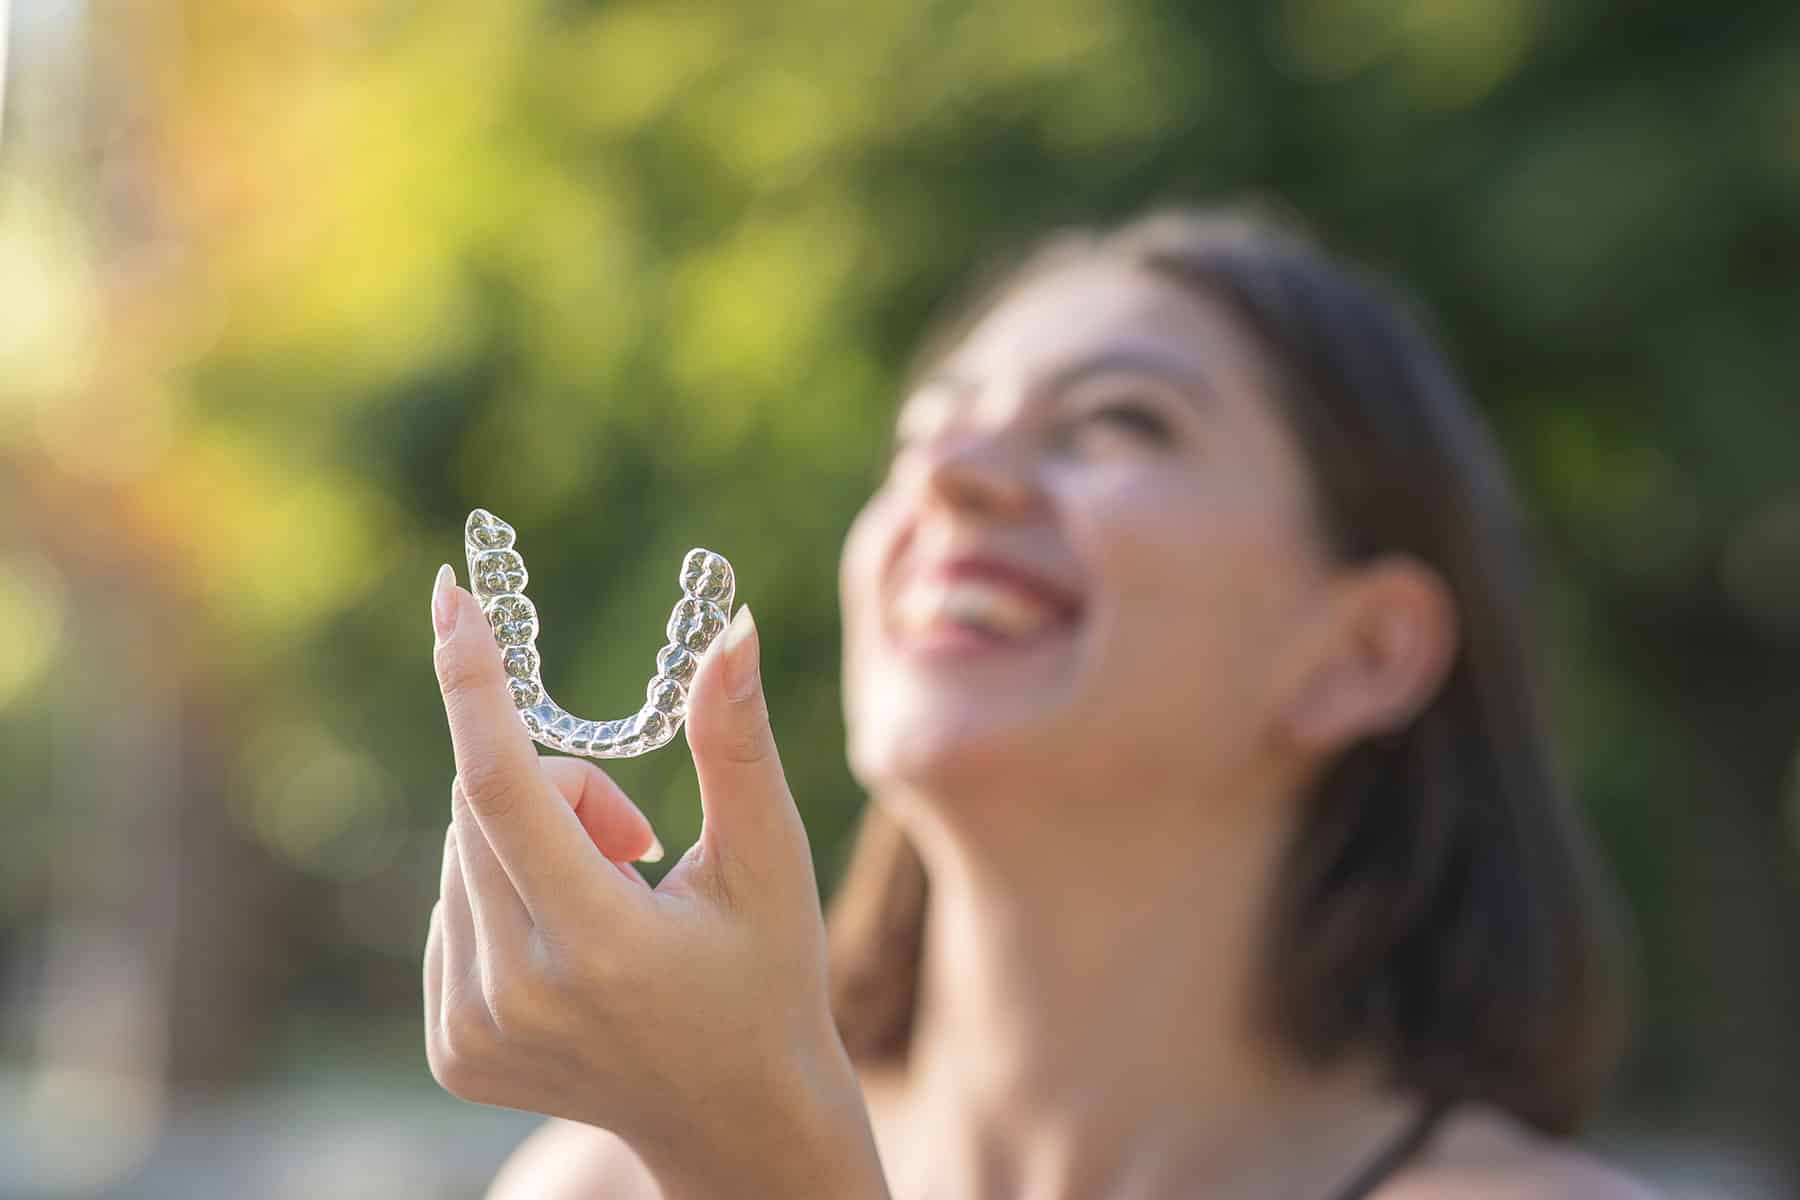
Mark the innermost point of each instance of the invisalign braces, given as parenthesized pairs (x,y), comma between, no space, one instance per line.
(497,577)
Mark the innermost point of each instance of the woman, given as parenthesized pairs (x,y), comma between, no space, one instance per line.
(1216,847)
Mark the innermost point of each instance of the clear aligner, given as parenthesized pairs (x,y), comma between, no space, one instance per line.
(497,577)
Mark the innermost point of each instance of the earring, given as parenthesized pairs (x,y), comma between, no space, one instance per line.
(497,577)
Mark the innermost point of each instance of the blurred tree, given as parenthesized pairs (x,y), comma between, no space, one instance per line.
(642,274)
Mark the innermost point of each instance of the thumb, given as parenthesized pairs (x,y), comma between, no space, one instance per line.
(752,831)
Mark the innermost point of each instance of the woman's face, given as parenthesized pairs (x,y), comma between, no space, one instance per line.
(1093,540)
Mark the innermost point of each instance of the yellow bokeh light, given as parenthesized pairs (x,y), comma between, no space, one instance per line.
(274,546)
(49,322)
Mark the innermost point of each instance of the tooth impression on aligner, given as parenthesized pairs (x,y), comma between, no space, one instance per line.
(497,576)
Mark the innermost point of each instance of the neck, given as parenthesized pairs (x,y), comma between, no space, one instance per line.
(1086,1018)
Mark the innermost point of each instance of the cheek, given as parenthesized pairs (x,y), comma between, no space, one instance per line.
(860,563)
(866,547)
(1198,578)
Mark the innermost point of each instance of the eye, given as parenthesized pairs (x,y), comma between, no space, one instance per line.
(1133,417)
(1124,421)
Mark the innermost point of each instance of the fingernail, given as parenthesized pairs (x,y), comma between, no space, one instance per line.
(443,602)
(740,652)
(654,853)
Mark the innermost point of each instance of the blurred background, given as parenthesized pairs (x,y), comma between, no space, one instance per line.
(288,286)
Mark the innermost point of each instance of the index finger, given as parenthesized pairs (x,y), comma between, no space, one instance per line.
(534,832)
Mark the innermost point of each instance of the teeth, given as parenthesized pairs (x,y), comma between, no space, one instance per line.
(992,607)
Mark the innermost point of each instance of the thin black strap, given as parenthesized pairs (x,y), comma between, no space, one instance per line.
(1395,1154)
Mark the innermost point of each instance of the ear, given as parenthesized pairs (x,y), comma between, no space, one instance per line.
(1393,639)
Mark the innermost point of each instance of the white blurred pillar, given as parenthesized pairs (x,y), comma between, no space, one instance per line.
(98,1096)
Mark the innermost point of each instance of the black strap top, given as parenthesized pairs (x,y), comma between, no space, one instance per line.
(1395,1154)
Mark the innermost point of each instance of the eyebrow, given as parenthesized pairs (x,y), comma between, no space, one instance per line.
(1142,360)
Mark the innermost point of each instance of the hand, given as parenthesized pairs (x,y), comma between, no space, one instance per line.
(691,1019)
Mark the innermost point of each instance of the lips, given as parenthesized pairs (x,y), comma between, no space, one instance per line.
(980,601)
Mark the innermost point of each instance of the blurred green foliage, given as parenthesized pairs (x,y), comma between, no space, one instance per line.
(318,278)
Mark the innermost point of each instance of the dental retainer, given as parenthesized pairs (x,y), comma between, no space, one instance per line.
(497,577)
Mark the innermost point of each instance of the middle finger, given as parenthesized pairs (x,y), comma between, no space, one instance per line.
(456,926)
(502,922)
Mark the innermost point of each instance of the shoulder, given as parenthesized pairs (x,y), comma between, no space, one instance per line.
(1481,1151)
(562,1160)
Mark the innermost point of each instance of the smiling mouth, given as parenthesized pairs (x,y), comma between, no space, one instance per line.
(936,615)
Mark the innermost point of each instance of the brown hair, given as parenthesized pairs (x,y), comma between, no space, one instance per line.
(1440,902)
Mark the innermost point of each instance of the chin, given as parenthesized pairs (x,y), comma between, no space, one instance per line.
(948,747)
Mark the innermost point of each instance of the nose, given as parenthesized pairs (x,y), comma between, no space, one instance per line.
(986,473)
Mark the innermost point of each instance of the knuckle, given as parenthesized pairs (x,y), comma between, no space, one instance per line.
(439,1059)
(528,999)
(466,1037)
(451,863)
(752,745)
(591,784)
(577,780)
(520,1006)
(454,1075)
(491,791)
(459,801)
(458,672)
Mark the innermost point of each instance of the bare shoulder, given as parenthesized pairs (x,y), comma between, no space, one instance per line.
(1481,1151)
(562,1160)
